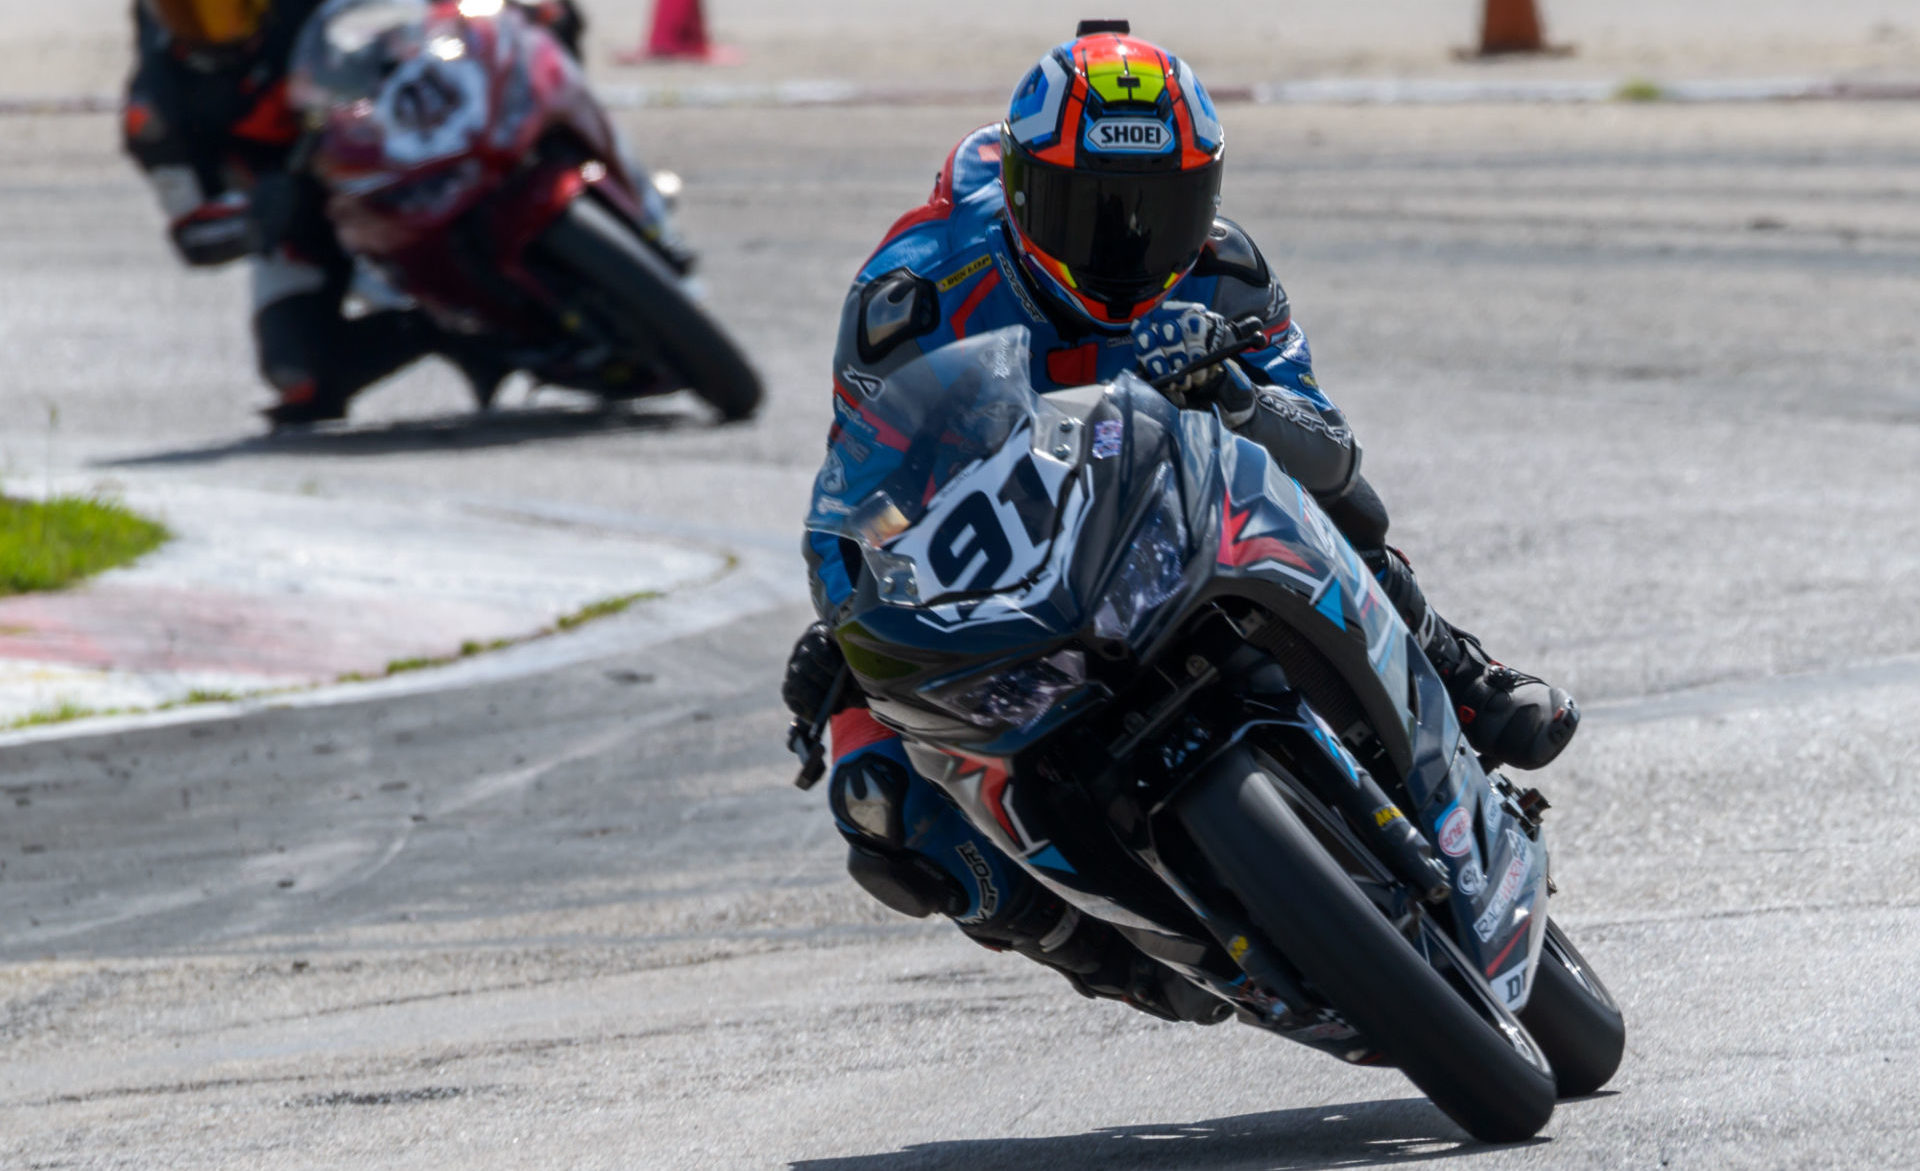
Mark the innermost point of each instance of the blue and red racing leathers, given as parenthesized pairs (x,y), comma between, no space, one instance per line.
(948,270)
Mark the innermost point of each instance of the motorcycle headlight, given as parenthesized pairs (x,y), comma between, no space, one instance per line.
(1154,570)
(434,193)
(1021,694)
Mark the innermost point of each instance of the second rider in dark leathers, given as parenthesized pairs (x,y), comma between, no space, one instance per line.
(207,118)
(1089,217)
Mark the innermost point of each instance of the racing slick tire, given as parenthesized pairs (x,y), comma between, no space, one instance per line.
(1574,1018)
(1497,1087)
(593,243)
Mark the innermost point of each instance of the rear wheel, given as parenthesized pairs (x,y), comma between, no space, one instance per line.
(1483,1070)
(653,311)
(1574,1018)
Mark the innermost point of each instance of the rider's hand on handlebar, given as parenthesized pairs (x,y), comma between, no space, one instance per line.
(214,232)
(811,672)
(1172,337)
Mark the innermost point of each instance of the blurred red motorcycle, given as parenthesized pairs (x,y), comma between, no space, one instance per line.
(466,161)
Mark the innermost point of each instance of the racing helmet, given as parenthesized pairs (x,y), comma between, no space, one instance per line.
(209,24)
(1110,162)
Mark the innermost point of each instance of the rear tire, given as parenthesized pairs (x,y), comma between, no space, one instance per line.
(1574,1018)
(1315,915)
(595,245)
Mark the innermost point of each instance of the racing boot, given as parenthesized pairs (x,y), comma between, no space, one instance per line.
(303,404)
(1097,960)
(481,363)
(1508,716)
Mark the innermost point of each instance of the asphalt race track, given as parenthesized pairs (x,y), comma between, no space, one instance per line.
(1641,385)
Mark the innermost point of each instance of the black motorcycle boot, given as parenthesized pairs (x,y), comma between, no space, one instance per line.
(1508,716)
(303,404)
(1099,962)
(480,362)
(1513,717)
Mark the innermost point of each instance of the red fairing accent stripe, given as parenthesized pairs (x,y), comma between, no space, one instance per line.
(855,730)
(271,120)
(1505,952)
(987,285)
(1276,330)
(1253,550)
(992,786)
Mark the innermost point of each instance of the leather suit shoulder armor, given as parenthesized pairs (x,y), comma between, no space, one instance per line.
(1244,281)
(895,307)
(1229,251)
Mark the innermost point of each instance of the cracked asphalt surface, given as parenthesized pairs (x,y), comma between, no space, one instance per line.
(1640,384)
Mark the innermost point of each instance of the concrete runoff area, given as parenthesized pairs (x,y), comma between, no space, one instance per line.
(1639,384)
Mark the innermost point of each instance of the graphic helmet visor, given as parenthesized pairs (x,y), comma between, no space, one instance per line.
(1123,236)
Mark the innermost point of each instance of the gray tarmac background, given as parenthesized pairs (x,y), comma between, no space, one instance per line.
(1640,385)
(79,47)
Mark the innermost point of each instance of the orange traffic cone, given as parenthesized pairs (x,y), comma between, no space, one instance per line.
(679,33)
(1513,26)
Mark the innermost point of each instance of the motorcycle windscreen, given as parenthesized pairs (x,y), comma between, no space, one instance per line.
(949,475)
(348,50)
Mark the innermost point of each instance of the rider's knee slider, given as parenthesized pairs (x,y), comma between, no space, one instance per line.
(907,883)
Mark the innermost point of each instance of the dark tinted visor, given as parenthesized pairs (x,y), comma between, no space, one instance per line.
(1115,230)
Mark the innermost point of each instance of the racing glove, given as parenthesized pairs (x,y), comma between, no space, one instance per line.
(1169,339)
(214,232)
(811,671)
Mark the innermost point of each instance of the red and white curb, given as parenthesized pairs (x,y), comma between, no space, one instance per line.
(262,593)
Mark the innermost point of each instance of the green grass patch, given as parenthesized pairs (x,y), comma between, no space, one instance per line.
(45,545)
(421,663)
(201,695)
(605,608)
(68,710)
(1639,89)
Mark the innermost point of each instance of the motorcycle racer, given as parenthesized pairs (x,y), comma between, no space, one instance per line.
(1090,217)
(208,120)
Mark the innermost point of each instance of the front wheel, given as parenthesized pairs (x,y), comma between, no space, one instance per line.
(1488,1077)
(653,311)
(1574,1018)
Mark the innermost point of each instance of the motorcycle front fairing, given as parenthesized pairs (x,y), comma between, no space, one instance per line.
(1271,542)
(1004,598)
(430,117)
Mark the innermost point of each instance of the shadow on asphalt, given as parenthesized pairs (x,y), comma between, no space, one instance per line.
(1354,1134)
(466,431)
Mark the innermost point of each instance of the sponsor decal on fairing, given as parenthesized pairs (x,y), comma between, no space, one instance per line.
(1471,880)
(1455,832)
(1511,986)
(1509,889)
(1107,434)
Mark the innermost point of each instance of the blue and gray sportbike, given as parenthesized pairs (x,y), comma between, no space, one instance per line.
(1140,659)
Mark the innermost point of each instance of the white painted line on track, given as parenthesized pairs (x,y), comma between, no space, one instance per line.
(1741,695)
